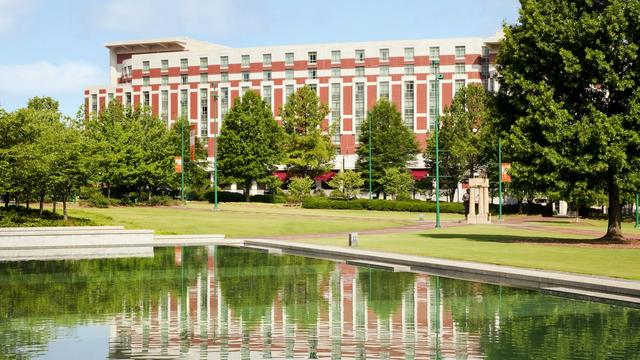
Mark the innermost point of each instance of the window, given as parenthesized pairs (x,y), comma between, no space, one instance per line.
(266,59)
(224,61)
(204,63)
(288,58)
(408,70)
(384,54)
(335,72)
(204,113)
(360,55)
(145,66)
(408,54)
(164,106)
(434,52)
(335,110)
(485,62)
(127,97)
(145,98)
(266,95)
(432,105)
(145,81)
(183,103)
(314,88)
(383,90)
(335,56)
(359,105)
(164,65)
(164,80)
(94,103)
(224,102)
(313,73)
(288,74)
(243,90)
(408,112)
(359,71)
(245,60)
(313,57)
(266,75)
(184,79)
(224,77)
(384,70)
(204,78)
(288,90)
(460,51)
(129,71)
(460,68)
(459,84)
(184,64)
(109,98)
(245,76)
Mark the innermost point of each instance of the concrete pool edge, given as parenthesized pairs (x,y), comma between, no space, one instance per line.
(554,282)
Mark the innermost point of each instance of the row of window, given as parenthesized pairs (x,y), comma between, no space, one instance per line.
(460,69)
(312,58)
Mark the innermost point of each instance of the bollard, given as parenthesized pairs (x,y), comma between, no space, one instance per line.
(353,239)
(420,217)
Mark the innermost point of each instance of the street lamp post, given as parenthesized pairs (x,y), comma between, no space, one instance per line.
(370,146)
(435,64)
(499,179)
(637,219)
(182,167)
(216,125)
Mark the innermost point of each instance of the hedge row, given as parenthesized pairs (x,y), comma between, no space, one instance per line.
(381,205)
(228,196)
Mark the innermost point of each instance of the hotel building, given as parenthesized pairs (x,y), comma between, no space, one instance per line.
(182,77)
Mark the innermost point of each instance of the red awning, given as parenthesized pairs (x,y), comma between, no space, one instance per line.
(282,175)
(419,174)
(326,176)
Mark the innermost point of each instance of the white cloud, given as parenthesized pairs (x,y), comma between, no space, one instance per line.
(45,78)
(12,10)
(155,16)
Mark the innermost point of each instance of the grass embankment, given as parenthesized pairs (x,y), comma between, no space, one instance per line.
(541,248)
(502,245)
(21,217)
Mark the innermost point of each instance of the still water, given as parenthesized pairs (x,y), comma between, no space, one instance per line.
(229,303)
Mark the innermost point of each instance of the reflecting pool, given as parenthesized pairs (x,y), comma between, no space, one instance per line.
(231,303)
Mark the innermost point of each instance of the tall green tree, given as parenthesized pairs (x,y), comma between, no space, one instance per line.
(392,144)
(570,97)
(462,139)
(308,148)
(250,143)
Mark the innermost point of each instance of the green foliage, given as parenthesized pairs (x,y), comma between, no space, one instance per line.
(299,189)
(18,216)
(228,196)
(384,290)
(381,205)
(308,149)
(392,144)
(461,148)
(570,98)
(396,182)
(347,183)
(196,176)
(250,143)
(94,198)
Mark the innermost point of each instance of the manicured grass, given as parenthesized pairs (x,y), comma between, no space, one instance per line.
(502,245)
(241,220)
(588,224)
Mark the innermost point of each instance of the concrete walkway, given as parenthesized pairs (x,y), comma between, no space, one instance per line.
(581,286)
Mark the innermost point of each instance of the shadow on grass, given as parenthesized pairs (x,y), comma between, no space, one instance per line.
(517,239)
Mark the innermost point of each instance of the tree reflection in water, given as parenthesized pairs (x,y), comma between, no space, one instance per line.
(229,300)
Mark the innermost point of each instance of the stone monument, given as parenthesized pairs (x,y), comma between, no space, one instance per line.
(479,191)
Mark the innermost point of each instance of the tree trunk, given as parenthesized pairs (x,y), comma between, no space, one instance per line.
(53,198)
(28,198)
(6,200)
(41,204)
(247,192)
(64,207)
(109,191)
(614,231)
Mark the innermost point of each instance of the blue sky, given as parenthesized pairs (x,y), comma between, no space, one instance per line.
(55,47)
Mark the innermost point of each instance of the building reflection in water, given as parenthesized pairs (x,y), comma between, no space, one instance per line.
(249,305)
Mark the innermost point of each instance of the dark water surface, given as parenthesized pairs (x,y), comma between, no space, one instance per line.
(229,303)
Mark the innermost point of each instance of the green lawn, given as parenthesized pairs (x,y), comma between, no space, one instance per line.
(497,244)
(243,220)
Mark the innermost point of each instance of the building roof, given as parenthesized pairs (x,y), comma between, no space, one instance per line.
(162,44)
